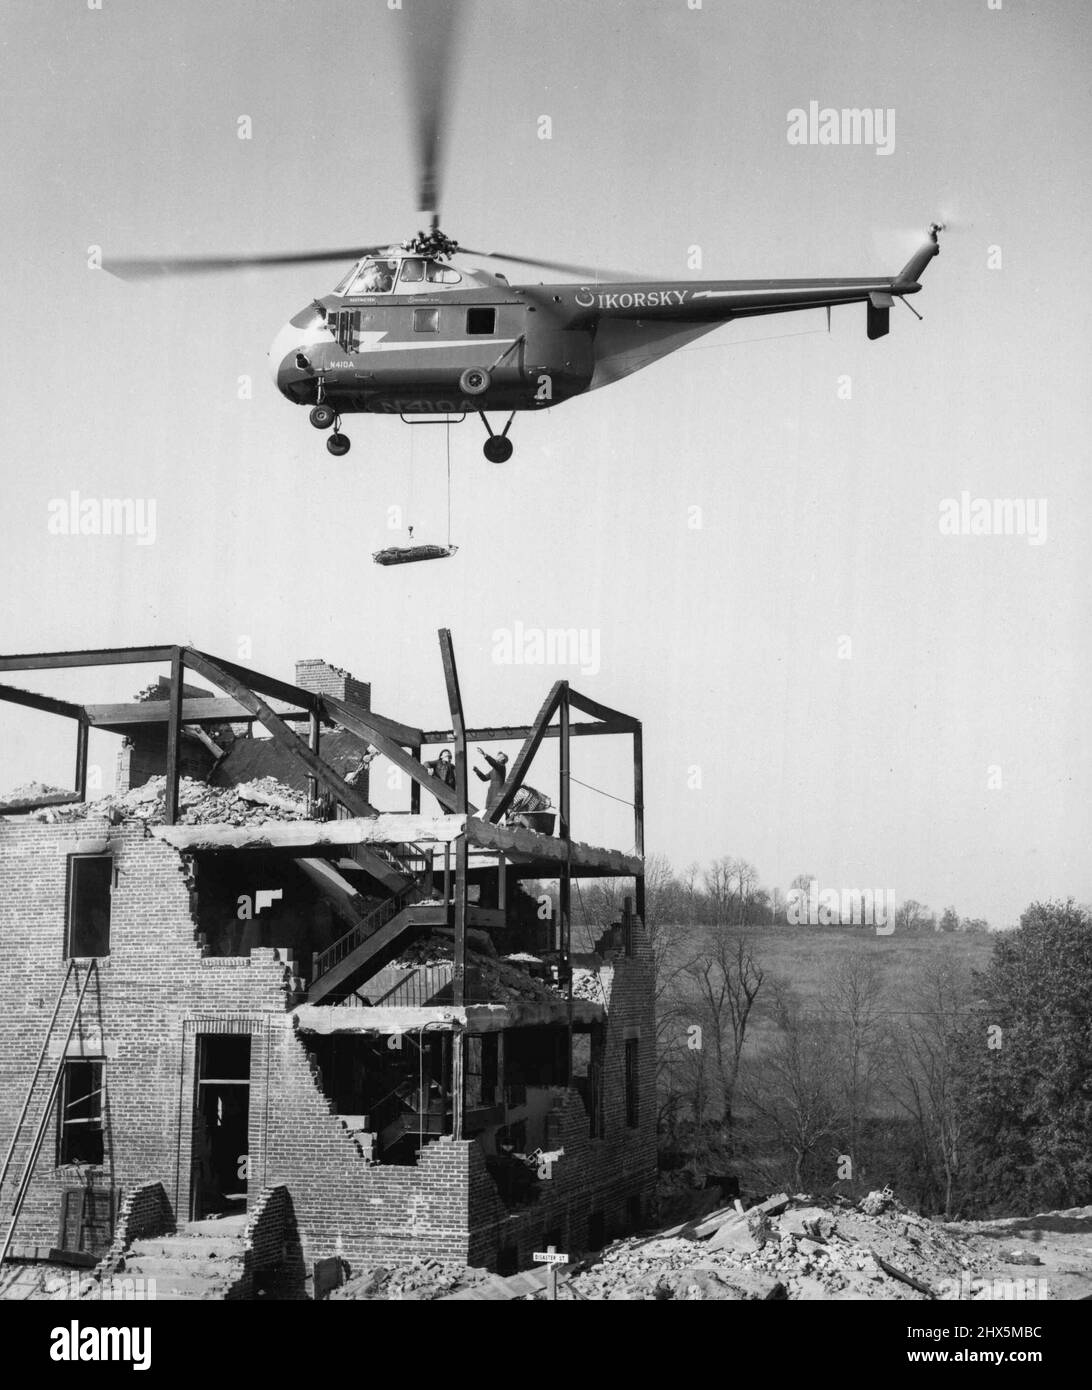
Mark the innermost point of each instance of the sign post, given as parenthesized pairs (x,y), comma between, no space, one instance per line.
(552,1259)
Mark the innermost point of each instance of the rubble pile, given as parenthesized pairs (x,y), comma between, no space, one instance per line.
(678,1198)
(783,1248)
(592,984)
(251,803)
(504,981)
(786,1248)
(509,982)
(33,791)
(421,1280)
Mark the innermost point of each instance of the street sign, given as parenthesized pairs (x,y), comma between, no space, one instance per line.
(549,1257)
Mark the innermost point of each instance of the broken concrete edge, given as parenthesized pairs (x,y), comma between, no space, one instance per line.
(712,1223)
(386,828)
(473,1018)
(396,828)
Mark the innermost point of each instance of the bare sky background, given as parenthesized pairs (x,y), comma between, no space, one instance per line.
(820,514)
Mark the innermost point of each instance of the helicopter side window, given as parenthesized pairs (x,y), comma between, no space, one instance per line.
(426,320)
(481,320)
(413,272)
(442,274)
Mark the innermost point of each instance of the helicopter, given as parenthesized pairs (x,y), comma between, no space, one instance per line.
(407,332)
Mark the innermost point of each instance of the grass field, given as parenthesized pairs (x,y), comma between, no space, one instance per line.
(803,958)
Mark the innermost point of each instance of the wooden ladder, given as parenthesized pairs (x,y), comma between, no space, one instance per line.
(51,1100)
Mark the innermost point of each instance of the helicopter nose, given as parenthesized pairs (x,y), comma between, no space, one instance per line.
(302,332)
(285,345)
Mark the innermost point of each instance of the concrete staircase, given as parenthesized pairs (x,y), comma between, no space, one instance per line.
(203,1260)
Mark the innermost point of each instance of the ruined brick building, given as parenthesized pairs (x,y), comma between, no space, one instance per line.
(235,984)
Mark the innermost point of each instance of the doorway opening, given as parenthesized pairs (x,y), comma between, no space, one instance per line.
(221,1125)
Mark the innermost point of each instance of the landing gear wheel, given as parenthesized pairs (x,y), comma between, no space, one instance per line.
(323,416)
(475,381)
(338,444)
(497,448)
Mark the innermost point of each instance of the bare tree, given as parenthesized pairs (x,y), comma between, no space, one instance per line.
(854,1010)
(719,878)
(911,917)
(724,980)
(794,1104)
(731,886)
(747,891)
(926,1080)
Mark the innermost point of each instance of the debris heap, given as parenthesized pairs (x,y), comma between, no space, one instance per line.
(787,1248)
(783,1248)
(251,803)
(504,981)
(34,791)
(422,1280)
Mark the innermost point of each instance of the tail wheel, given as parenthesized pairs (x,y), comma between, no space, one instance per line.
(322,417)
(497,448)
(338,444)
(475,381)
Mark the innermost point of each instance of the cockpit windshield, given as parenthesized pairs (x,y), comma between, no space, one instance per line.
(383,276)
(376,277)
(345,281)
(415,270)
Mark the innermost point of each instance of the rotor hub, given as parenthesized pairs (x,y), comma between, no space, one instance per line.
(434,244)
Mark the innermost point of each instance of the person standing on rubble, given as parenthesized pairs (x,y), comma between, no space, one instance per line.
(498,772)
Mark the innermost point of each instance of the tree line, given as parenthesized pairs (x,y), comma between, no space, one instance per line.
(968,1091)
(728,890)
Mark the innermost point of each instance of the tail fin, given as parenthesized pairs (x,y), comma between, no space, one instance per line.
(911,272)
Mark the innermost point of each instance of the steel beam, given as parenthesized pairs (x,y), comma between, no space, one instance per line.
(104,656)
(46,703)
(458,724)
(174,736)
(526,754)
(510,733)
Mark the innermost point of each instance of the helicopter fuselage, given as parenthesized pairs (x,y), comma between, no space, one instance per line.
(538,345)
(407,334)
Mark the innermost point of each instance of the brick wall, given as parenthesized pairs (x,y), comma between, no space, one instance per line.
(345,1205)
(146,1211)
(155,994)
(144,756)
(139,1013)
(321,678)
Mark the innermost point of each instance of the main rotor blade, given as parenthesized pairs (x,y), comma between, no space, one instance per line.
(434,30)
(145,268)
(585,272)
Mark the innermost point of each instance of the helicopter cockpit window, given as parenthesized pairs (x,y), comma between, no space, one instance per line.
(376,277)
(345,281)
(415,270)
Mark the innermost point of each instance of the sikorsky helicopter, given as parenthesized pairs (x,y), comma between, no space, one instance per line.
(407,332)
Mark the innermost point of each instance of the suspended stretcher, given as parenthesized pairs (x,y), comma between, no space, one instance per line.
(407,554)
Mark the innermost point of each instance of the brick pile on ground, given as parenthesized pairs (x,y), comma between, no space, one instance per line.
(786,1248)
(252,803)
(421,1280)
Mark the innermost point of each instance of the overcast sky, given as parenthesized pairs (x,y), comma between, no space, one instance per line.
(969,654)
